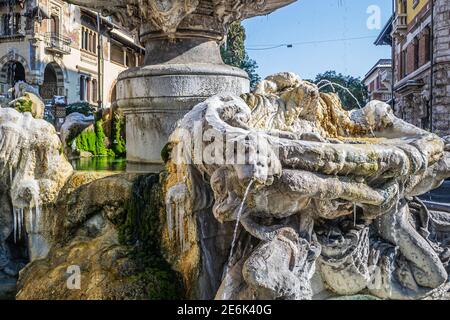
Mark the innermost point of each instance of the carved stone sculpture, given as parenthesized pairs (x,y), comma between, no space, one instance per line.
(182,64)
(33,169)
(315,190)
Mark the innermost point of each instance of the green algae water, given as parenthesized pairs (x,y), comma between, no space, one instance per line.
(100,164)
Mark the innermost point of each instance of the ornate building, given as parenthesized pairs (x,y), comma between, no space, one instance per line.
(379,81)
(54,46)
(420,35)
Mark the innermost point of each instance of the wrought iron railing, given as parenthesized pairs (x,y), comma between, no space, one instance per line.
(12,34)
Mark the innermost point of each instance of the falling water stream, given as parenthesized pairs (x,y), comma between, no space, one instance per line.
(332,84)
(236,228)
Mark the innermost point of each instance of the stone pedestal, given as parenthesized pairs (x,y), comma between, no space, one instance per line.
(154,97)
(182,62)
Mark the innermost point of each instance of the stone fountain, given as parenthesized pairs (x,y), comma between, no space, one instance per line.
(276,194)
(323,200)
(182,64)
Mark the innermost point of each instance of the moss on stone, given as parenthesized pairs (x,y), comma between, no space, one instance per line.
(119,144)
(93,141)
(140,230)
(166,151)
(24,105)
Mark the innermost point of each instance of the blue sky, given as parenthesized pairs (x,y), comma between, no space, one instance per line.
(318,20)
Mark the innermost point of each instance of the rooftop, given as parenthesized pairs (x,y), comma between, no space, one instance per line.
(384,38)
(382,63)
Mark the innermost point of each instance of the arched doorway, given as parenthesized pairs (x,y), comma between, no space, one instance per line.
(14,68)
(49,87)
(53,84)
(14,72)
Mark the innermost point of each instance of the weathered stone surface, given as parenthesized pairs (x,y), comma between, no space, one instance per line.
(326,187)
(80,232)
(32,172)
(93,231)
(35,103)
(73,125)
(182,65)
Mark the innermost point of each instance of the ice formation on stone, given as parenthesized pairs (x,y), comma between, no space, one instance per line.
(334,192)
(32,171)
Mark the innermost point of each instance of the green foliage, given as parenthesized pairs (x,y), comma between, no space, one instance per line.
(355,85)
(93,141)
(234,54)
(24,105)
(118,141)
(250,66)
(140,230)
(81,107)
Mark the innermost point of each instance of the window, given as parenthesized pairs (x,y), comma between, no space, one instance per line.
(11,24)
(117,54)
(5,24)
(403,64)
(416,53)
(401,7)
(88,40)
(88,89)
(16,23)
(54,25)
(82,88)
(94,90)
(428,44)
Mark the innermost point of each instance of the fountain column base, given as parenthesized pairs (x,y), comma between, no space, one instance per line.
(154,97)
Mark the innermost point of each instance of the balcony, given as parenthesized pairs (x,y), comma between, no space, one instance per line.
(400,25)
(57,43)
(12,36)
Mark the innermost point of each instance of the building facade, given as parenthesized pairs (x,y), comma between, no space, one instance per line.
(379,81)
(420,36)
(59,49)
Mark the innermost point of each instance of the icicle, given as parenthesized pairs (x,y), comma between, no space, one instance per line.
(169,217)
(176,214)
(180,212)
(37,218)
(15,224)
(31,219)
(19,224)
(176,222)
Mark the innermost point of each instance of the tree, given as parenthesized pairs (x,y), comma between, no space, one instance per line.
(354,85)
(234,54)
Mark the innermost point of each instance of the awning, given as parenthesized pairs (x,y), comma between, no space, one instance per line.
(125,39)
